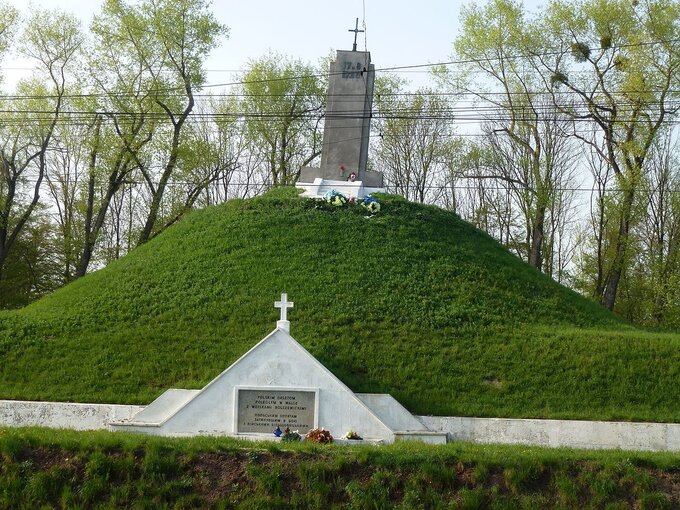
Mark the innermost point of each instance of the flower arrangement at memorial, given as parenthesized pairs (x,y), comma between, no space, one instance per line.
(290,437)
(319,435)
(353,436)
(371,205)
(336,198)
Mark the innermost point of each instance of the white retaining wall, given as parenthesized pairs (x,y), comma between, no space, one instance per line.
(560,433)
(550,433)
(19,413)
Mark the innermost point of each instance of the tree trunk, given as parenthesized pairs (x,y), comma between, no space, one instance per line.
(536,251)
(152,217)
(614,277)
(88,243)
(93,234)
(3,254)
(537,235)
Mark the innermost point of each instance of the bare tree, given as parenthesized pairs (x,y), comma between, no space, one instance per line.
(415,138)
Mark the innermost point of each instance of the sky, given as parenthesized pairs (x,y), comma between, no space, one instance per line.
(397,32)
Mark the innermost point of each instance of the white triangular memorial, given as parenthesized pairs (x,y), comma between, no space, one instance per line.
(277,384)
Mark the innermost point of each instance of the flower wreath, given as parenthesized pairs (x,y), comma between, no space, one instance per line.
(371,204)
(335,198)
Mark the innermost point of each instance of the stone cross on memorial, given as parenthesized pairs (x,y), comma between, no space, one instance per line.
(284,305)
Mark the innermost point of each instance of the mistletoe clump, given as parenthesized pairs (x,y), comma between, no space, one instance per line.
(580,51)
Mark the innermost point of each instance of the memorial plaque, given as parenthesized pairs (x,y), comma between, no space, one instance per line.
(262,410)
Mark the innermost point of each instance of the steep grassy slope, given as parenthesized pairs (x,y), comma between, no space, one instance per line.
(412,301)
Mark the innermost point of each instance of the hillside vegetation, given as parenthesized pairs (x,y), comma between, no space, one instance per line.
(63,469)
(412,301)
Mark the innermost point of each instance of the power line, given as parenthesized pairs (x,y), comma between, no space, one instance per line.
(351,97)
(405,67)
(452,114)
(409,186)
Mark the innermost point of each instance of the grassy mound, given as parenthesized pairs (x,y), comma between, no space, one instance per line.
(412,301)
(48,469)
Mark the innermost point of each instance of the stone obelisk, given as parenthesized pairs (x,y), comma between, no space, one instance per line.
(346,129)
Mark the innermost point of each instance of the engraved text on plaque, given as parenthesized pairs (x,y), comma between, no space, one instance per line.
(262,410)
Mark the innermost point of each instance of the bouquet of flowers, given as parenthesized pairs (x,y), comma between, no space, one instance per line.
(353,435)
(290,437)
(321,436)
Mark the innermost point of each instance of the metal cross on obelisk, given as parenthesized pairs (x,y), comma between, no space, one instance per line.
(356,32)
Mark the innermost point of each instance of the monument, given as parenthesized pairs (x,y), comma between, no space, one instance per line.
(346,135)
(278,384)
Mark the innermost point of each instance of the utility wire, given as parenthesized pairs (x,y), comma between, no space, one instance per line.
(348,96)
(494,187)
(407,67)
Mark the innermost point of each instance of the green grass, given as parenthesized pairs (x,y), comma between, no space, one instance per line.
(413,302)
(42,468)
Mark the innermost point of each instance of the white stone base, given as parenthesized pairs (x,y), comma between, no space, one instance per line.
(320,187)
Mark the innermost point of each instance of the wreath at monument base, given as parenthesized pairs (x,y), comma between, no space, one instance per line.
(290,436)
(334,199)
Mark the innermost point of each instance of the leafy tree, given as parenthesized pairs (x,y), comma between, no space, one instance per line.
(607,65)
(32,268)
(282,104)
(651,285)
(166,42)
(52,39)
(525,133)
(618,63)
(210,153)
(8,23)
(217,149)
(65,174)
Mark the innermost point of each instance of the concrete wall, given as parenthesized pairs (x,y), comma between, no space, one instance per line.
(18,413)
(550,433)
(560,433)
